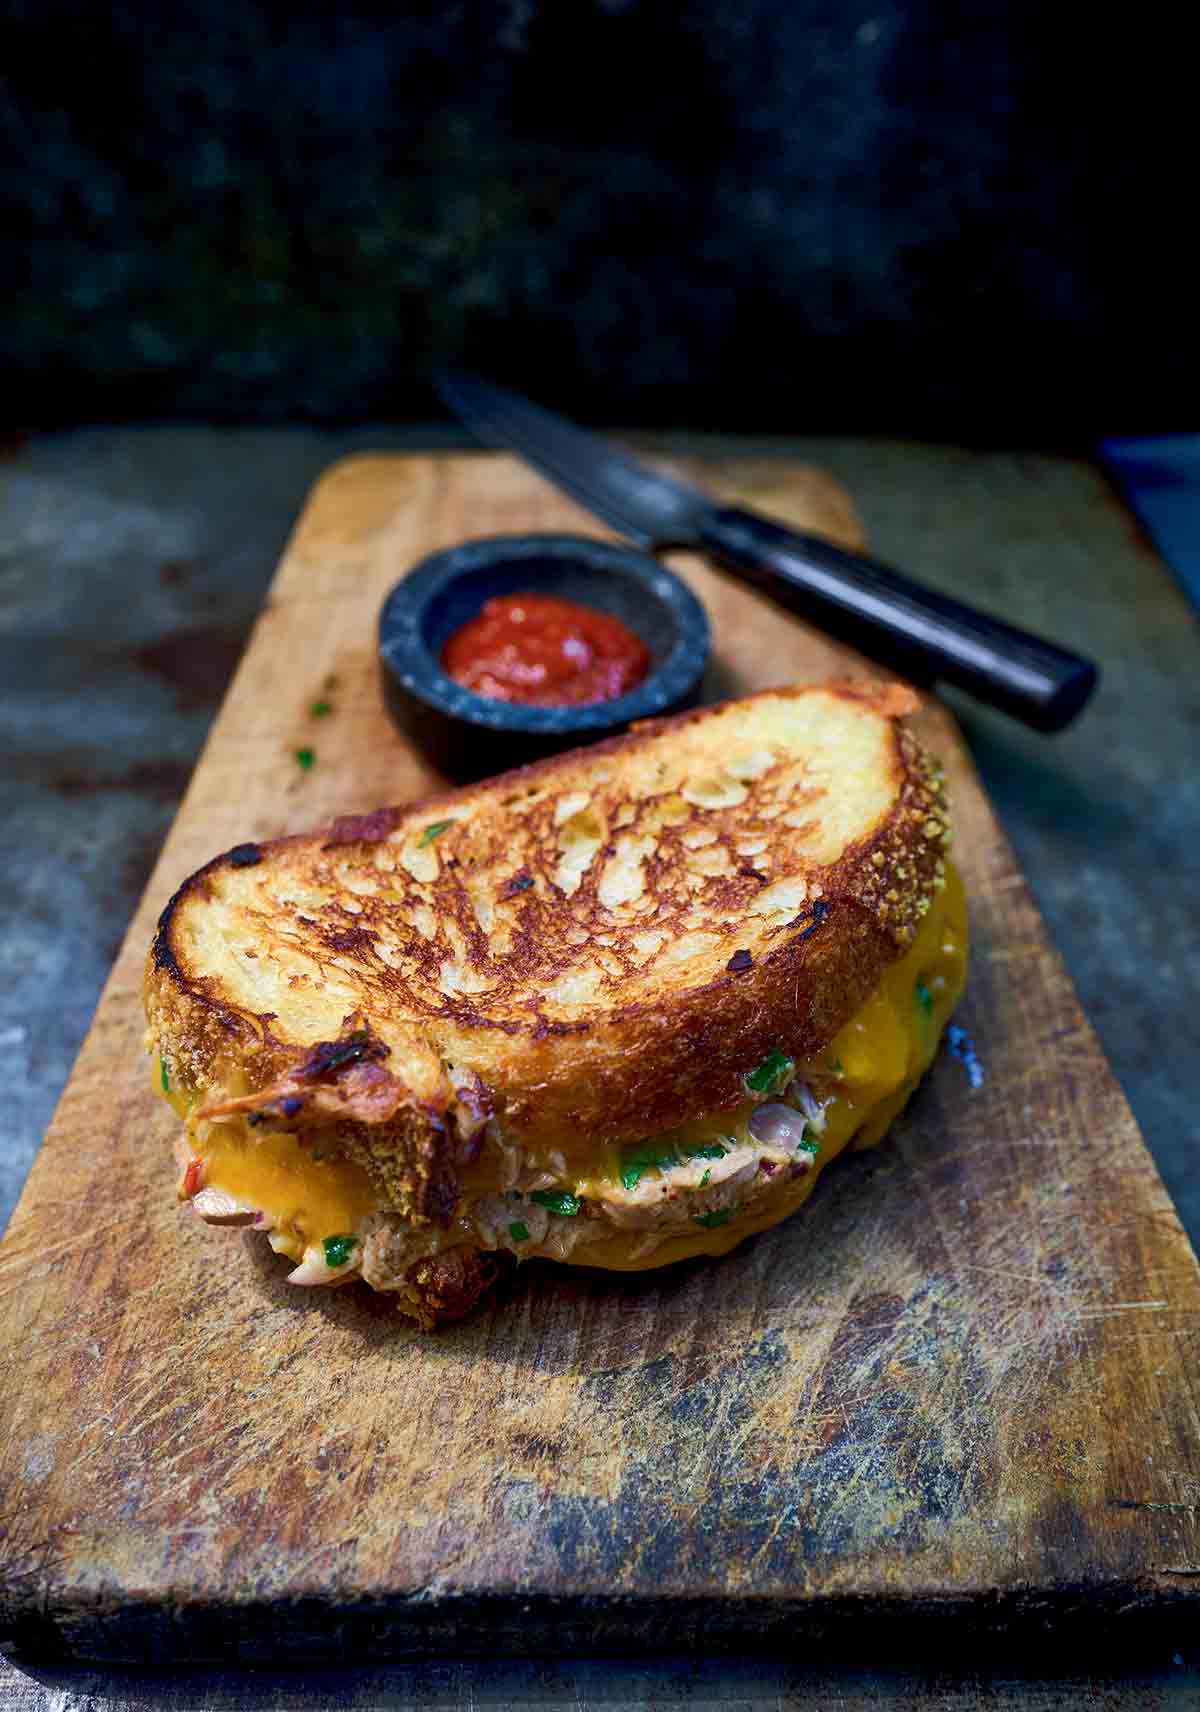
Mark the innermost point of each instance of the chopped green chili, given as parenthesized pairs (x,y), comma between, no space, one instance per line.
(338,1249)
(519,1232)
(704,1179)
(775,1068)
(642,1157)
(432,831)
(808,1146)
(711,1150)
(924,998)
(166,1080)
(646,1156)
(557,1201)
(306,757)
(710,1221)
(320,709)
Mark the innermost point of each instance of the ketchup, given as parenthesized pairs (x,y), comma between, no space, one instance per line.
(546,652)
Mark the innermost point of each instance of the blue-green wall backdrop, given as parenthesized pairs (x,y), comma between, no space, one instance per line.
(965,220)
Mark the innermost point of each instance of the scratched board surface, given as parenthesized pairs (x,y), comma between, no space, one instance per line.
(961,1384)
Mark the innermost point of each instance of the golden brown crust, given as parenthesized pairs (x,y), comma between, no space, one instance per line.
(477,947)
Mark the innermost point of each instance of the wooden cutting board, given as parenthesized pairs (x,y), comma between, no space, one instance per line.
(956,1395)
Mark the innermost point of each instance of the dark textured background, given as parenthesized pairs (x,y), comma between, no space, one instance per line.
(805,215)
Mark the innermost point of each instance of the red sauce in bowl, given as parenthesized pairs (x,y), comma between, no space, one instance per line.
(545,652)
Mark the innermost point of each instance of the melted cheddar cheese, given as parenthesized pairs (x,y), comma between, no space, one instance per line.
(883,1051)
(868,1072)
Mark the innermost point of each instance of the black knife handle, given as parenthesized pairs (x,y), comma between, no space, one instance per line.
(915,630)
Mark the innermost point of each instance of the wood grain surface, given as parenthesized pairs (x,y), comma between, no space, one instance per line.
(961,1385)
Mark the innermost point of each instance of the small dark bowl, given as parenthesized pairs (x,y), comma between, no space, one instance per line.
(468,735)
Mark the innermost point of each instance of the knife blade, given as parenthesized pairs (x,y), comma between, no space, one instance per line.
(915,630)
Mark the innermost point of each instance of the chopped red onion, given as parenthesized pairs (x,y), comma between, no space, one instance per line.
(812,1108)
(777,1125)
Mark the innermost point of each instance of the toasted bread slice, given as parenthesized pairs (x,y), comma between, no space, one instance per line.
(553,965)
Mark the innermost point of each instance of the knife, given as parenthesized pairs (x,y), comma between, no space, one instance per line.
(913,629)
